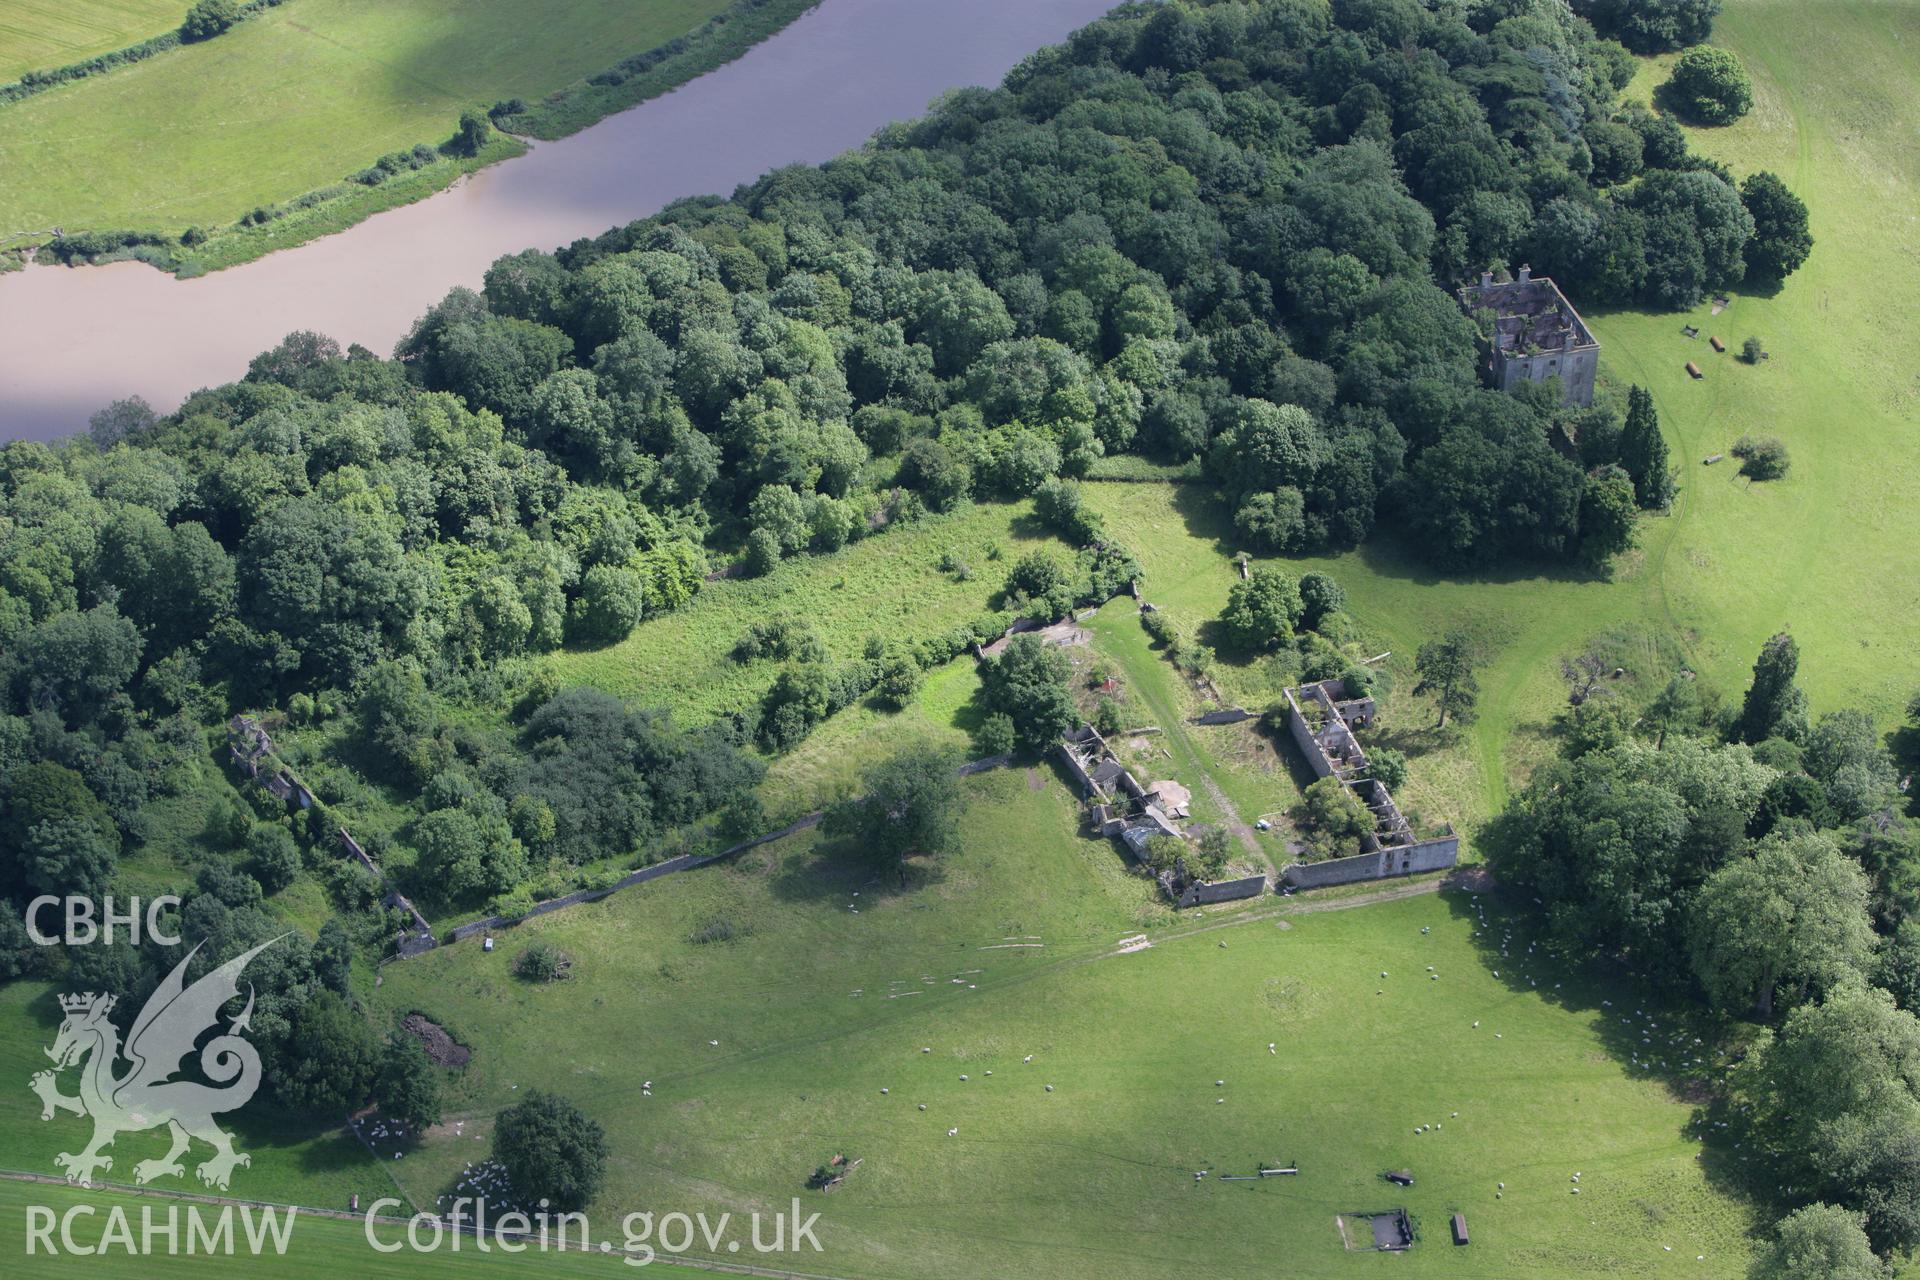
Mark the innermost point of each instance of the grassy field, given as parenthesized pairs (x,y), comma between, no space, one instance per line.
(818,1007)
(296,99)
(290,1164)
(39,35)
(891,586)
(1528,1067)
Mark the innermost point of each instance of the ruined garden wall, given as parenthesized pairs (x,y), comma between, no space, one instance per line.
(1200,895)
(1437,854)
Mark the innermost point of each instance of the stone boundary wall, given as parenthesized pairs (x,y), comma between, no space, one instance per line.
(685,862)
(1438,854)
(1200,895)
(1390,849)
(1303,738)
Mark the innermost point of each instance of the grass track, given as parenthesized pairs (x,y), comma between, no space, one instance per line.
(318,1247)
(1096,1178)
(1828,552)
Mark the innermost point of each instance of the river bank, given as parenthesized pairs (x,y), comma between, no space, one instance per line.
(822,84)
(407,174)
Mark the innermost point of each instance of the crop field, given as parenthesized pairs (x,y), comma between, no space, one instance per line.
(38,35)
(294,100)
(834,984)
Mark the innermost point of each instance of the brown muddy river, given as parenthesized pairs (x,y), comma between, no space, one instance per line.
(73,339)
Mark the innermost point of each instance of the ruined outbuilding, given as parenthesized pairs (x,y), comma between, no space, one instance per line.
(1530,333)
(1327,741)
(1122,809)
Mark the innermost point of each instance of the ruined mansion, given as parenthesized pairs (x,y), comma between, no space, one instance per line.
(1531,333)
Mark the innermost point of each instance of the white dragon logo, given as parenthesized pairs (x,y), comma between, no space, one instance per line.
(174,1017)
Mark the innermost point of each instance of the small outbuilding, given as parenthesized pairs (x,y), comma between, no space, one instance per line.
(1460,1228)
(1716,344)
(1693,371)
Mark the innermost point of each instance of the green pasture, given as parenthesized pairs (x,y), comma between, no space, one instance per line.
(292,1163)
(293,100)
(39,35)
(818,1007)
(890,585)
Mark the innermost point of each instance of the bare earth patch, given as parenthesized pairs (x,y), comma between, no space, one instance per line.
(433,1037)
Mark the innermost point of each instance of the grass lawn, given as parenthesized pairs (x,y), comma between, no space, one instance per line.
(296,99)
(39,35)
(291,1163)
(818,1008)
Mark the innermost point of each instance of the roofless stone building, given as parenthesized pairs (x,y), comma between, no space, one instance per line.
(1535,335)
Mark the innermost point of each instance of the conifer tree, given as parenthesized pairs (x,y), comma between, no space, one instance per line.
(1643,452)
(1775,705)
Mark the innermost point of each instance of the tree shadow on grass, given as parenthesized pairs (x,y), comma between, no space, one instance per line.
(838,870)
(1535,733)
(1030,526)
(1412,741)
(1648,1033)
(1386,553)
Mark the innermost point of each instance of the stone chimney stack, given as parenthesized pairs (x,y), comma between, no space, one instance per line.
(1526,273)
(1486,279)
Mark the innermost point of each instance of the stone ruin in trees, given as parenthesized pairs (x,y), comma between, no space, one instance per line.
(1532,333)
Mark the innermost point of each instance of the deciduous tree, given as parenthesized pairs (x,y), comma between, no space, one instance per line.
(1445,668)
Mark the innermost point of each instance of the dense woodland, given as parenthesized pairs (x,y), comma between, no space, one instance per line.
(1222,237)
(1767,860)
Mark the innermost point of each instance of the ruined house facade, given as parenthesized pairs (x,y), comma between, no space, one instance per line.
(1327,741)
(1535,335)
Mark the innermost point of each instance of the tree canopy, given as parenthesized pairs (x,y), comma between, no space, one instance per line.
(908,806)
(550,1150)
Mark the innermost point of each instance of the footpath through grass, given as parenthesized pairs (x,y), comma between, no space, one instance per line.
(1827,552)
